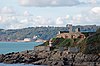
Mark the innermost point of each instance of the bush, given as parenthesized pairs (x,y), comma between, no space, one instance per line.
(98,31)
(66,43)
(93,44)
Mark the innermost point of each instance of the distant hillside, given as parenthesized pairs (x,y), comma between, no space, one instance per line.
(41,32)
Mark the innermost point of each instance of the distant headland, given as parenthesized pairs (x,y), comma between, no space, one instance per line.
(43,33)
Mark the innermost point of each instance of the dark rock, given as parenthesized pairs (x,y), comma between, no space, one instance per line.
(49,63)
(51,58)
(54,63)
(60,63)
(90,58)
(66,62)
(65,59)
(98,60)
(8,61)
(39,62)
(2,57)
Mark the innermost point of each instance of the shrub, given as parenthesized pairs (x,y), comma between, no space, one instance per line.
(93,44)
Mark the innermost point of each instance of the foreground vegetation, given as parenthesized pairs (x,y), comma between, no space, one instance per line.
(92,43)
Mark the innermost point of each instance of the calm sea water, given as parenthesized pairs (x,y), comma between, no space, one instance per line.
(8,47)
(1,64)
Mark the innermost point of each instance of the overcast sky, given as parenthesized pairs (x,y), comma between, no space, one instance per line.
(16,14)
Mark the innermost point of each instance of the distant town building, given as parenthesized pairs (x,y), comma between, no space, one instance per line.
(69,27)
(77,30)
(88,28)
(34,37)
(40,40)
(63,32)
(27,40)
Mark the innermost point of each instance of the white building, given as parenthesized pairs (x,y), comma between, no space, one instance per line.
(27,40)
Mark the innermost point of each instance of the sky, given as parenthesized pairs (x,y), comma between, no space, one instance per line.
(16,14)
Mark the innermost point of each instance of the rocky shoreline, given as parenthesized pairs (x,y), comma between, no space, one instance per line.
(51,58)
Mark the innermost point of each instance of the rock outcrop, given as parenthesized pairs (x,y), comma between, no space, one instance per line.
(52,58)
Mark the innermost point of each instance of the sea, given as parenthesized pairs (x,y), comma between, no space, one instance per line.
(9,47)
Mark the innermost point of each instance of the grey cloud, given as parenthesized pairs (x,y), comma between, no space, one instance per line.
(46,3)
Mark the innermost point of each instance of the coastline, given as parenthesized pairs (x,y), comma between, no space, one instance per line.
(38,41)
(58,58)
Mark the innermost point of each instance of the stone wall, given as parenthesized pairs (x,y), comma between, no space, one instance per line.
(42,48)
(73,49)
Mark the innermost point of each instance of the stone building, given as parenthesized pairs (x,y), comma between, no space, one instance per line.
(71,35)
(69,26)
